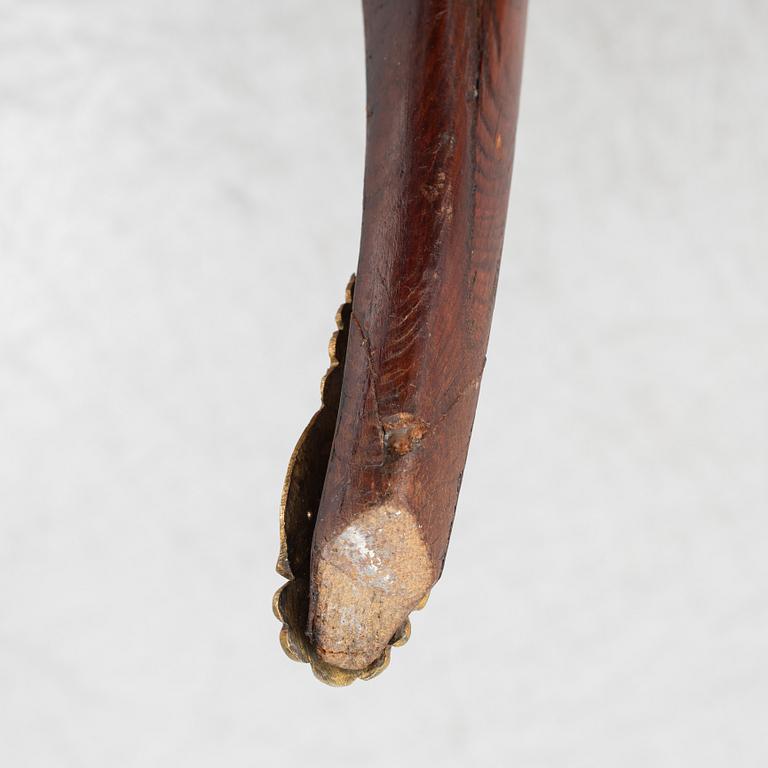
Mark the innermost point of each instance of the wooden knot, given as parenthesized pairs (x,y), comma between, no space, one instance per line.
(403,432)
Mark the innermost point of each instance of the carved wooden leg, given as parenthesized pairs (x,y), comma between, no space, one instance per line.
(368,508)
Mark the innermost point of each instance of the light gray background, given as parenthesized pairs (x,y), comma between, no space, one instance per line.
(180,188)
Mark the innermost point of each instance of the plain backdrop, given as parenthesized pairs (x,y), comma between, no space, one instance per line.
(180,198)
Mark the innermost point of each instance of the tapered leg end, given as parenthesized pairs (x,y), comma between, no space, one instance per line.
(367,581)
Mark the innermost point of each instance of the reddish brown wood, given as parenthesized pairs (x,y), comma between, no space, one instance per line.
(443,82)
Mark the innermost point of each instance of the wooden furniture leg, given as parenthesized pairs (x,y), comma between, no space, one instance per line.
(372,488)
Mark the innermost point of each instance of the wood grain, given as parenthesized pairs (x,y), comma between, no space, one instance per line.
(443,83)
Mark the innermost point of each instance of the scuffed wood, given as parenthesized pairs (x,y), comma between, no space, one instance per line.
(443,82)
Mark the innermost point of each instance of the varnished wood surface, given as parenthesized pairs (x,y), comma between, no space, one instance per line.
(443,82)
